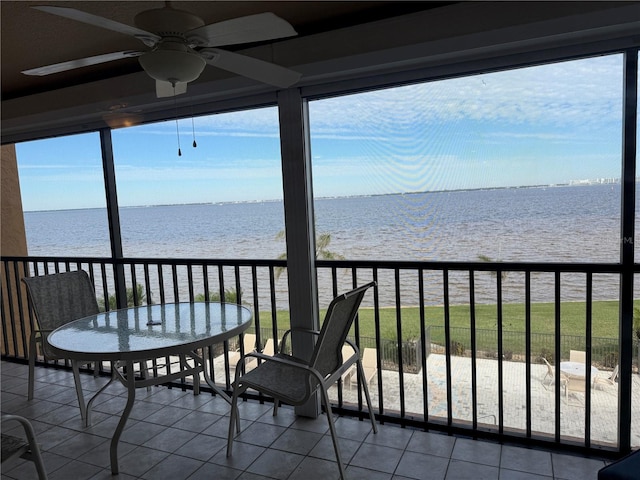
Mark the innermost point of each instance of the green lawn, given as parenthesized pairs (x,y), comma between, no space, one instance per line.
(572,326)
(572,318)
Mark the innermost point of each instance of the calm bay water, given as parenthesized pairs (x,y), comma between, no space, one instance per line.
(554,224)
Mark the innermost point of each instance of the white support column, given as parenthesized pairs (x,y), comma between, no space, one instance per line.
(299,225)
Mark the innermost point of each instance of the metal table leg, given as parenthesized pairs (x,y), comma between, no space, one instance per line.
(129,380)
(197,358)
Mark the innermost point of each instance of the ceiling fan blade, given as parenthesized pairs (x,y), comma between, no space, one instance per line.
(167,89)
(250,67)
(252,28)
(81,62)
(149,39)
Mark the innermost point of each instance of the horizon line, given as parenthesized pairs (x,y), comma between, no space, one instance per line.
(573,183)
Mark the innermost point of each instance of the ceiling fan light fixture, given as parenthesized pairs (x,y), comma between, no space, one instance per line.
(172,66)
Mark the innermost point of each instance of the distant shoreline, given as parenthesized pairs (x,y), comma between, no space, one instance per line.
(242,202)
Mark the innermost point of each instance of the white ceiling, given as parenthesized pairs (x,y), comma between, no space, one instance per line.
(337,42)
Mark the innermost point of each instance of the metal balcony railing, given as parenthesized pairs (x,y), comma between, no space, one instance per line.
(430,373)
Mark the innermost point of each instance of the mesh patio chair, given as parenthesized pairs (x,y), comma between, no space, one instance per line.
(369,365)
(248,345)
(13,447)
(551,375)
(293,381)
(610,380)
(56,300)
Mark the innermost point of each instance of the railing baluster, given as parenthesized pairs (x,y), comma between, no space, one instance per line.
(376,319)
(500,352)
(447,341)
(426,344)
(190,282)
(105,289)
(161,283)
(134,284)
(527,333)
(174,279)
(147,284)
(399,342)
(474,348)
(256,306)
(557,355)
(588,380)
(236,271)
(205,282)
(274,310)
(221,282)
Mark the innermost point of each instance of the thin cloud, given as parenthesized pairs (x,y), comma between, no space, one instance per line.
(580,93)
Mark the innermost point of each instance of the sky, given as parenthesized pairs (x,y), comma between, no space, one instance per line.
(542,125)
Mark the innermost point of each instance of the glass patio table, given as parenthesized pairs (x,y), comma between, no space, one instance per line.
(577,370)
(138,334)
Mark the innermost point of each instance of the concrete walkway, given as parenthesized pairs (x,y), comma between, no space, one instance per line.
(604,398)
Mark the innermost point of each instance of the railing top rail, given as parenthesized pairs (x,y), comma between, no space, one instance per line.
(615,268)
(151,261)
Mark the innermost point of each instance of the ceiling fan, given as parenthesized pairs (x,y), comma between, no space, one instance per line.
(181,45)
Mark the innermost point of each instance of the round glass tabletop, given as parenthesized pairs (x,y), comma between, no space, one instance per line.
(149,331)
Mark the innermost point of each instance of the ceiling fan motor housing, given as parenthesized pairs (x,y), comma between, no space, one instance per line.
(172,60)
(167,22)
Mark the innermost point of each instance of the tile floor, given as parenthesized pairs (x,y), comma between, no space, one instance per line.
(175,435)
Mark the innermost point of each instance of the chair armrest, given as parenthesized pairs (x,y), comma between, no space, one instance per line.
(283,344)
(26,425)
(352,345)
(41,332)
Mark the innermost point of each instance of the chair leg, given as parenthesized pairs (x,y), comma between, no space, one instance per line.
(33,352)
(276,404)
(334,435)
(365,387)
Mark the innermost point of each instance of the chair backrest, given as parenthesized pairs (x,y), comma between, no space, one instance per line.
(369,357)
(347,351)
(59,298)
(249,343)
(614,374)
(327,355)
(579,356)
(268,348)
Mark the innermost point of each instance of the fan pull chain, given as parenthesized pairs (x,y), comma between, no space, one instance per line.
(193,130)
(175,106)
(178,135)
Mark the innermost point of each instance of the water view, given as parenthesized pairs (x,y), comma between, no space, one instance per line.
(568,224)
(542,224)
